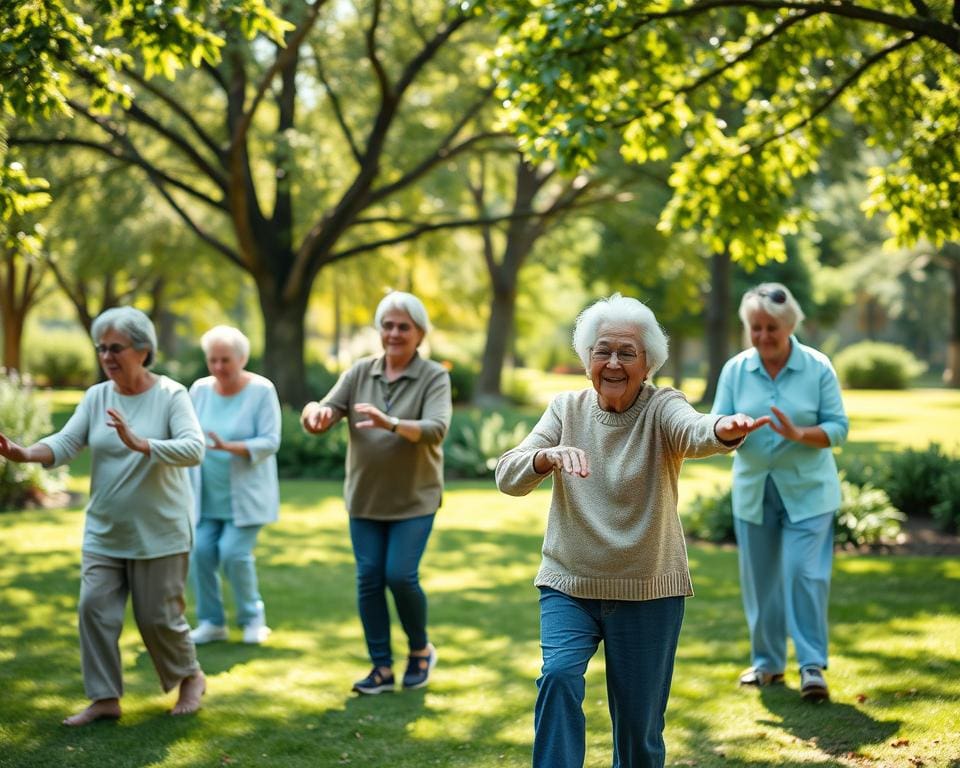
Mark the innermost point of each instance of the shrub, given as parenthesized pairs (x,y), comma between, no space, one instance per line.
(910,478)
(710,518)
(862,471)
(463,379)
(947,509)
(25,419)
(61,359)
(877,365)
(304,455)
(866,516)
(473,448)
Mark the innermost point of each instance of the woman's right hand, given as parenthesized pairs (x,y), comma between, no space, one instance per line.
(11,450)
(316,418)
(566,458)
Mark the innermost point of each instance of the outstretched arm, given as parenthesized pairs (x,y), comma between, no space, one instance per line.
(38,452)
(731,429)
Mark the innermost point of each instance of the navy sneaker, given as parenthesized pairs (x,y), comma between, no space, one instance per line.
(418,669)
(375,682)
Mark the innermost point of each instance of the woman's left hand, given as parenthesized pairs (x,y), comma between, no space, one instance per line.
(216,442)
(730,428)
(126,435)
(786,427)
(376,419)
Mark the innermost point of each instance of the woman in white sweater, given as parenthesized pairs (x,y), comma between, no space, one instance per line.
(143,435)
(614,560)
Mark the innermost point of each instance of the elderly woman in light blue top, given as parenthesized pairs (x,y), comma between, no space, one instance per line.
(143,435)
(236,487)
(785,488)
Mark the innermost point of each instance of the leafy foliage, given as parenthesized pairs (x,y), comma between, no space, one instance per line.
(61,359)
(315,456)
(877,365)
(24,419)
(710,518)
(473,449)
(748,91)
(866,516)
(911,478)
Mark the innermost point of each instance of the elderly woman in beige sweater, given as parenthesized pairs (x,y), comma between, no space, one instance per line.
(614,561)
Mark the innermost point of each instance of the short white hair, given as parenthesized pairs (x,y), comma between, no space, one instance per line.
(621,310)
(133,324)
(761,298)
(406,302)
(232,337)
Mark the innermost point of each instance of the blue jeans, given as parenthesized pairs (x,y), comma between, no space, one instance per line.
(639,645)
(388,554)
(785,581)
(219,543)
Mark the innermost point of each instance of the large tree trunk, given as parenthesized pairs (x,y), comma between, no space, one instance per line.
(499,334)
(283,340)
(951,375)
(12,338)
(717,331)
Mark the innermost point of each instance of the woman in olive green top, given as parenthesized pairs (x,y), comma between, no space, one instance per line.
(142,434)
(398,408)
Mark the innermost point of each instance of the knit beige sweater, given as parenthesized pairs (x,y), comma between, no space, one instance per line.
(615,535)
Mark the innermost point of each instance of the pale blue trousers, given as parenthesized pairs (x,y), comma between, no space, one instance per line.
(785,582)
(220,545)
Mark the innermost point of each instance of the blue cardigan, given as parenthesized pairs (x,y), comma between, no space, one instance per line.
(254,487)
(807,390)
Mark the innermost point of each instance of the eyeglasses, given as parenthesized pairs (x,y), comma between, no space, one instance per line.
(625,356)
(777,295)
(113,349)
(389,325)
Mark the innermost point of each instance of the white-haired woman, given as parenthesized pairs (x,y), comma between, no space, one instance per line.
(614,560)
(143,435)
(785,488)
(236,487)
(398,406)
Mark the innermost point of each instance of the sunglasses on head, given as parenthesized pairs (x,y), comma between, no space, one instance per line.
(777,295)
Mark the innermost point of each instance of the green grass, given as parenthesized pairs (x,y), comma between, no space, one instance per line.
(895,646)
(895,633)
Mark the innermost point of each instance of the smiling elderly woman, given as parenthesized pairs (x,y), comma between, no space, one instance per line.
(614,561)
(142,434)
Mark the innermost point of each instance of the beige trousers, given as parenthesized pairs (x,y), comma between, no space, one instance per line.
(156,587)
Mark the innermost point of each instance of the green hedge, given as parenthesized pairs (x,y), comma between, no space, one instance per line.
(877,365)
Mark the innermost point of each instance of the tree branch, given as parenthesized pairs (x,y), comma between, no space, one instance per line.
(371,40)
(835,93)
(337,108)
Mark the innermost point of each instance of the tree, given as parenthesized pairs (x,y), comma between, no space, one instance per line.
(22,273)
(580,73)
(238,136)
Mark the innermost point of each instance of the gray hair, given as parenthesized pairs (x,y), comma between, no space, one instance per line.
(761,298)
(621,310)
(406,302)
(231,337)
(133,324)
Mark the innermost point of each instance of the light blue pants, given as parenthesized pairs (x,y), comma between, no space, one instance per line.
(639,644)
(221,544)
(785,581)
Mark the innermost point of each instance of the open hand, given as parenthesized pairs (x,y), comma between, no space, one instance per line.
(785,427)
(10,450)
(125,433)
(316,418)
(730,428)
(375,417)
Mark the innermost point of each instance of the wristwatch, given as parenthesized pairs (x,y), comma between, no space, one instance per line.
(394,423)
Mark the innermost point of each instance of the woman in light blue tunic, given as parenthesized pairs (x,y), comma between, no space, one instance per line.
(236,487)
(785,488)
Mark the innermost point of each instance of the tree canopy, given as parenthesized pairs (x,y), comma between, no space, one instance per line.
(747,89)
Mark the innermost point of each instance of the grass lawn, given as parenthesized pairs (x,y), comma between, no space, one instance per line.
(895,655)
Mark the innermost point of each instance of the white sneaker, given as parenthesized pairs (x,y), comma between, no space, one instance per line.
(208,633)
(257,630)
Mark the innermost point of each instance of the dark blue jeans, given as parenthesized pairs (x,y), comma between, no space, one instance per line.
(639,644)
(388,555)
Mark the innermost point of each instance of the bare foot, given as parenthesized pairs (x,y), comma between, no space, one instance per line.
(101,709)
(191,689)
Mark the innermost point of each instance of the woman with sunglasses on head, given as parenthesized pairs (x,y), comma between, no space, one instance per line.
(398,407)
(143,435)
(786,490)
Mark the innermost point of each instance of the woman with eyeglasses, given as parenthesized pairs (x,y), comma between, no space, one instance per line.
(614,562)
(143,435)
(398,409)
(786,491)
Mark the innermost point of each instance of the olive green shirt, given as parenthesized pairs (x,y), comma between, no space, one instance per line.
(388,477)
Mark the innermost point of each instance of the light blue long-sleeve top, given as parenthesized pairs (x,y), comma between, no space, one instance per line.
(808,391)
(140,505)
(254,487)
